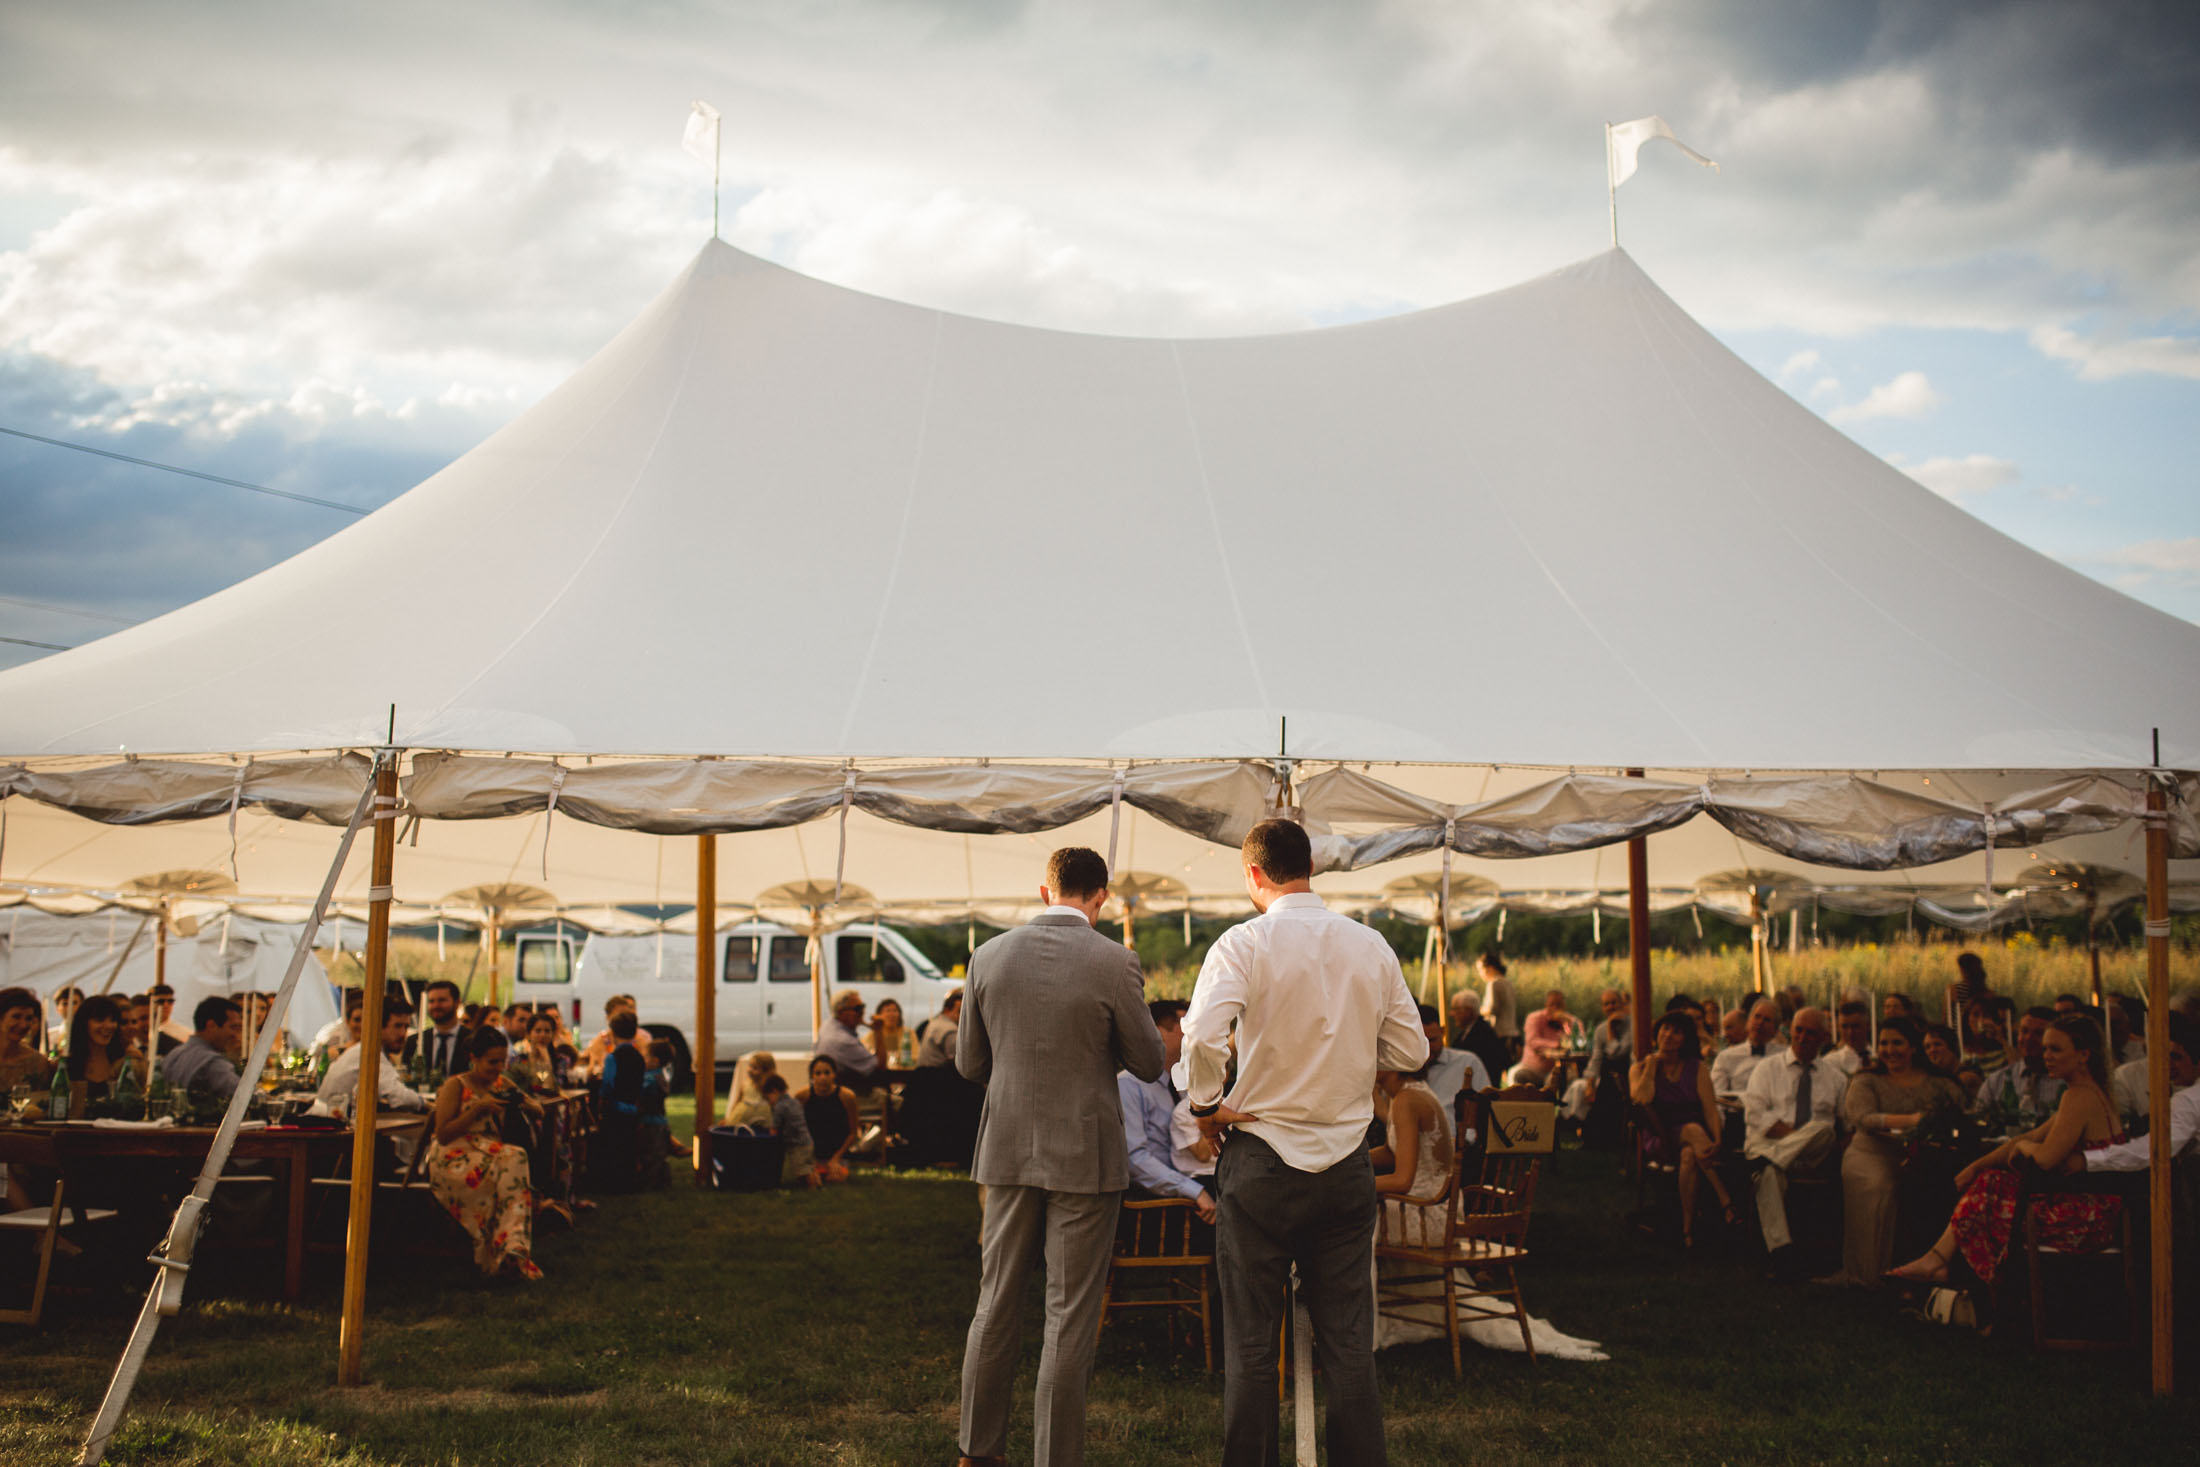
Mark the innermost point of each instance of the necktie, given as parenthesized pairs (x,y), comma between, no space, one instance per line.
(1757,1051)
(1802,1096)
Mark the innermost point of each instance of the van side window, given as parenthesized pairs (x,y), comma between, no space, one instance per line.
(740,963)
(788,965)
(545,962)
(860,964)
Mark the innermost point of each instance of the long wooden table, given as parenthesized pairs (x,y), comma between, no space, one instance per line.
(79,1149)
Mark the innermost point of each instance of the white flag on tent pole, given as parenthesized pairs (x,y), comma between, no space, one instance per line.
(1624,141)
(701,137)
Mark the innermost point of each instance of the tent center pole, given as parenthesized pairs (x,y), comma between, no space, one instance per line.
(1638,938)
(371,986)
(706,1002)
(2158,1157)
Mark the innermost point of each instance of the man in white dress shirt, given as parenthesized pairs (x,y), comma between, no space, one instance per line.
(1731,1069)
(1788,1114)
(340,1086)
(1852,1023)
(1319,1004)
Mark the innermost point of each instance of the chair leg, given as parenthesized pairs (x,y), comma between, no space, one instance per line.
(1107,1302)
(1206,1317)
(2032,1268)
(1451,1318)
(1520,1311)
(46,1241)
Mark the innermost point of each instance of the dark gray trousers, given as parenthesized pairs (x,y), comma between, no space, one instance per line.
(1273,1215)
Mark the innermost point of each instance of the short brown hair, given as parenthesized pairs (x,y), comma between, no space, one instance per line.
(1281,850)
(1076,871)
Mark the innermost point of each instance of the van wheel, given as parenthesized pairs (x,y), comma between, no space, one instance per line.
(683,1064)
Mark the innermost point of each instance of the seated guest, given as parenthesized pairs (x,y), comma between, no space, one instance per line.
(1898,1006)
(1986,1027)
(517,1019)
(339,1089)
(1598,1100)
(1891,1097)
(1149,1108)
(747,1104)
(206,1065)
(829,1108)
(137,1024)
(2127,1027)
(600,1047)
(21,1061)
(2018,1097)
(887,1031)
(163,1018)
(653,1162)
(2075,1222)
(2067,1004)
(2184,1110)
(65,1001)
(492,1017)
(937,1048)
(1672,1084)
(1417,1153)
(1789,1114)
(841,1041)
(549,1062)
(1473,1033)
(444,1036)
(1731,1069)
(1544,1039)
(334,1037)
(1943,1051)
(1733,1027)
(787,1122)
(99,1063)
(1853,1028)
(1450,1071)
(481,1179)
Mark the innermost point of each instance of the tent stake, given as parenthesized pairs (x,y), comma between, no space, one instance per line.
(350,1340)
(706,1002)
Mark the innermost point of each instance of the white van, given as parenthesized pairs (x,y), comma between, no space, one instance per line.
(763,981)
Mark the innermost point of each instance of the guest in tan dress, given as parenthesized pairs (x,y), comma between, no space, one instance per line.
(1895,1095)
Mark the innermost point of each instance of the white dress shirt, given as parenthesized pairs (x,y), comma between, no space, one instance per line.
(340,1085)
(1452,1071)
(2133,1155)
(1732,1066)
(1770,1097)
(2127,1089)
(1320,1004)
(1847,1061)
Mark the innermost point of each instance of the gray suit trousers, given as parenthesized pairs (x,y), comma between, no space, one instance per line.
(1077,1232)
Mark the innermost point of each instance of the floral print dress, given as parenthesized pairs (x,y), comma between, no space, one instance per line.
(482,1182)
(2075,1222)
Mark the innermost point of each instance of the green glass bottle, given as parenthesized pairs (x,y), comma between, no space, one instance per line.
(57,1099)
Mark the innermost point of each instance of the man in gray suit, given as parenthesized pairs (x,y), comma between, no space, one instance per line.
(1051,1012)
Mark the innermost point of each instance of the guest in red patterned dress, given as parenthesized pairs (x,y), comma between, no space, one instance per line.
(2077,1222)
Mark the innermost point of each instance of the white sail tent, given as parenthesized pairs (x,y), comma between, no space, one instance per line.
(784,553)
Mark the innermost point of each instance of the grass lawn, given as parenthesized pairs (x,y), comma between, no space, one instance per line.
(827,1328)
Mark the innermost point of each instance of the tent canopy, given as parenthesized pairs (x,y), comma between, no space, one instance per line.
(781,550)
(775,517)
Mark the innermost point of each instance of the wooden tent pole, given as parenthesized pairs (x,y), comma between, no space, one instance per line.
(706,1002)
(1129,939)
(496,936)
(2093,952)
(1638,939)
(370,1063)
(160,947)
(2158,1157)
(817,975)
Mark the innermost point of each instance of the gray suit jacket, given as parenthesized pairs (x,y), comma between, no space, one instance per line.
(1051,1012)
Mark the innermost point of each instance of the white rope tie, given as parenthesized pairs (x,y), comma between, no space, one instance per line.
(378,894)
(1115,817)
(840,861)
(1989,814)
(2157,929)
(557,787)
(236,797)
(1443,895)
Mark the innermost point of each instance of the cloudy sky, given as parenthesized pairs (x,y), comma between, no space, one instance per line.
(329,249)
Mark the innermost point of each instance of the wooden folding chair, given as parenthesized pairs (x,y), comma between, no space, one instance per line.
(1155,1245)
(48,1223)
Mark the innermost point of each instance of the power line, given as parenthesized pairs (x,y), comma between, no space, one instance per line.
(120,621)
(147,463)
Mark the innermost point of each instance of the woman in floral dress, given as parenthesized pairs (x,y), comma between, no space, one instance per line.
(479,1177)
(2076,1222)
